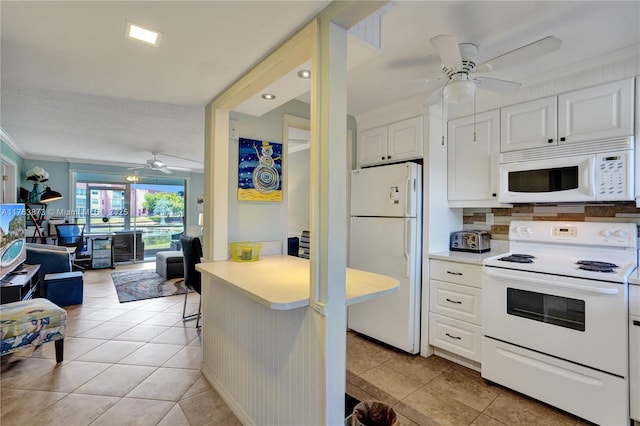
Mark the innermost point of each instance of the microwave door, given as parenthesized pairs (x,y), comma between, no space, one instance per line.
(551,180)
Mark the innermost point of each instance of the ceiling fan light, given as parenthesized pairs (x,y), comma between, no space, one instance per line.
(459,91)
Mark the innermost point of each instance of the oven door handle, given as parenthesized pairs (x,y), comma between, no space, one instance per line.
(582,288)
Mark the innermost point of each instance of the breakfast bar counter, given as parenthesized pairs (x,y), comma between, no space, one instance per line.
(263,343)
(282,282)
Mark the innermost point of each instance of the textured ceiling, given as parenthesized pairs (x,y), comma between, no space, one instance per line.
(74,88)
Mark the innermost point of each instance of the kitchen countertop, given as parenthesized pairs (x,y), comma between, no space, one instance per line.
(282,282)
(464,257)
(497,247)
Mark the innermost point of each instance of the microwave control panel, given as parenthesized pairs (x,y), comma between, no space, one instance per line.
(612,175)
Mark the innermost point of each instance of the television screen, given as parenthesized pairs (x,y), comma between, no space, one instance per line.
(13,237)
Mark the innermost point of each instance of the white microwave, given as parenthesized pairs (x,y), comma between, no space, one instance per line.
(603,176)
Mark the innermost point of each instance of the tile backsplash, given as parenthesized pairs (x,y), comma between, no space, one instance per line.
(475,218)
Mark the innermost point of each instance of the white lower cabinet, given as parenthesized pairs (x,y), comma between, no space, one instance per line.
(455,308)
(634,351)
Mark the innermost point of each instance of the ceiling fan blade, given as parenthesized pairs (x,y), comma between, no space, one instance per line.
(447,47)
(522,54)
(165,170)
(495,85)
(181,158)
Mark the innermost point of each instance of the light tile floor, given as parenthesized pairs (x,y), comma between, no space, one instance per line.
(134,363)
(435,391)
(137,363)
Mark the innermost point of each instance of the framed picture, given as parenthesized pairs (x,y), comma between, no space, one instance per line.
(259,170)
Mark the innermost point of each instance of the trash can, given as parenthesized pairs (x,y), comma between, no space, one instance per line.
(374,413)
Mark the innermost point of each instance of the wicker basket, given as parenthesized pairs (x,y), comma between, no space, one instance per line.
(245,251)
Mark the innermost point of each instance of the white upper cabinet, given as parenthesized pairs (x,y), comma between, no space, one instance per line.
(600,112)
(372,146)
(472,160)
(529,125)
(594,113)
(403,140)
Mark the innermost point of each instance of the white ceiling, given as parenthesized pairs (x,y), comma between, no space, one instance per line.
(74,88)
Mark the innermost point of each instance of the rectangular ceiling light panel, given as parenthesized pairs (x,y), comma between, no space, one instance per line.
(143,34)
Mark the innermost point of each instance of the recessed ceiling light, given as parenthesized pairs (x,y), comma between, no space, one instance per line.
(268,96)
(304,74)
(143,34)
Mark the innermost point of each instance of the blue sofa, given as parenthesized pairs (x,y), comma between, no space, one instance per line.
(52,259)
(55,269)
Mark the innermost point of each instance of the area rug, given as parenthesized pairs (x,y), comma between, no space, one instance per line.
(140,285)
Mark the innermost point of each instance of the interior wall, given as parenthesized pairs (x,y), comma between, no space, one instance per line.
(13,163)
(262,221)
(257,221)
(6,150)
(298,190)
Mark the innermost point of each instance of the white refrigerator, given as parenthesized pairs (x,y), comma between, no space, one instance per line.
(386,238)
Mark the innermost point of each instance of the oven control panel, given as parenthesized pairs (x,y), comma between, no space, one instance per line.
(565,231)
(583,233)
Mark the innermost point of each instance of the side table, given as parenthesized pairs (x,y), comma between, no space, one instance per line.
(21,284)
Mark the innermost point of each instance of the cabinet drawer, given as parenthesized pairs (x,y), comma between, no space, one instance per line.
(634,300)
(455,336)
(459,273)
(456,301)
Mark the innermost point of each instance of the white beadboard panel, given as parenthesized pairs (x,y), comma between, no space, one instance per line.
(267,365)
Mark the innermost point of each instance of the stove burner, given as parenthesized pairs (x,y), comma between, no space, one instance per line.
(597,263)
(596,266)
(518,258)
(524,256)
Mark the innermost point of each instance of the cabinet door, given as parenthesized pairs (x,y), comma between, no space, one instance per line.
(528,125)
(405,139)
(372,146)
(601,112)
(472,158)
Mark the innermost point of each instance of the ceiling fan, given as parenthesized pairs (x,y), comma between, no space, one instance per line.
(154,164)
(460,64)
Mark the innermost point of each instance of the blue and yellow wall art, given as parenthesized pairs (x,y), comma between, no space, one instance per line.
(259,170)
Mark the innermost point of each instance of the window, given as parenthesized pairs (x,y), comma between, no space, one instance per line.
(152,213)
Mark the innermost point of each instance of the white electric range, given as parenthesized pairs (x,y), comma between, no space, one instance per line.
(555,315)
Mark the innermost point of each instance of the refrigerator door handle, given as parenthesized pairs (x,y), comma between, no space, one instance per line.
(408,196)
(407,245)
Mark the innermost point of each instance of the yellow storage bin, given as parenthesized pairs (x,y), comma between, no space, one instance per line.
(245,251)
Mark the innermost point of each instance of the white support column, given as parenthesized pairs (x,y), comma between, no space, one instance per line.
(328,208)
(216,183)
